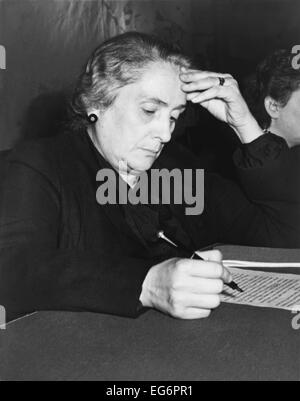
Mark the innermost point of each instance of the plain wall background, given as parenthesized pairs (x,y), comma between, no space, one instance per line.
(48,41)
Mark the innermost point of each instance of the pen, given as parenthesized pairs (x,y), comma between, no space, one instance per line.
(233,285)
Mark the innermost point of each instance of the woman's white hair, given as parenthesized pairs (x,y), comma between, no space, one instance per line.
(116,63)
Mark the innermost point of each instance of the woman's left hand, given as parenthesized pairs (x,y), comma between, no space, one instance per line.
(224,102)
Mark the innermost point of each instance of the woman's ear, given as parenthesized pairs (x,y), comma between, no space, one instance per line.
(272,107)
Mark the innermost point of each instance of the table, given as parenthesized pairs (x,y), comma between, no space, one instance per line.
(235,343)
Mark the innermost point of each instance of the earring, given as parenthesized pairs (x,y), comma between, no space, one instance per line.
(92,118)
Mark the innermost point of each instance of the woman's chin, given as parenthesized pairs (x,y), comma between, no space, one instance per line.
(143,164)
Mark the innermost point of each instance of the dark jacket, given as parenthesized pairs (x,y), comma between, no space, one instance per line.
(61,250)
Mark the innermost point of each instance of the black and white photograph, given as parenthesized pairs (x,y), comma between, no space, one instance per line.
(149,193)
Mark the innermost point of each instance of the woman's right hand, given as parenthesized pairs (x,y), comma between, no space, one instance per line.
(186,288)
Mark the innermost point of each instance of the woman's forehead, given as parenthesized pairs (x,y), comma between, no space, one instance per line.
(160,71)
(160,82)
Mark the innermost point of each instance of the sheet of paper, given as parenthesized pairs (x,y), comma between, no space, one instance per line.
(264,289)
(248,263)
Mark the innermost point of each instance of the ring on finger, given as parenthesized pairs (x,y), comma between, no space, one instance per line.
(221,81)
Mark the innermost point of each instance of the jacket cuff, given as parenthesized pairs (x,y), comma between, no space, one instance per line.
(264,167)
(262,150)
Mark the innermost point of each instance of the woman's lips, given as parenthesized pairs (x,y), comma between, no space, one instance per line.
(154,152)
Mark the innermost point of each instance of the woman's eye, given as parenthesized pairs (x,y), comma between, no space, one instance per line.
(173,119)
(149,112)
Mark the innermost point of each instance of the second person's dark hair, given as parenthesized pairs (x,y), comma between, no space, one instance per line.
(274,77)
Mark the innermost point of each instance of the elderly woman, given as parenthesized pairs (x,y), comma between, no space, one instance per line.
(273,95)
(60,249)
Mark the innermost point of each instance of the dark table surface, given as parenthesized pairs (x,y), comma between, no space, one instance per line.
(235,343)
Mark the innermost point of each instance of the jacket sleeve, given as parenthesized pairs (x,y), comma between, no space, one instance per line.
(35,274)
(264,209)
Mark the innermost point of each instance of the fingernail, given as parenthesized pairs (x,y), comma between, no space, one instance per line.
(227,277)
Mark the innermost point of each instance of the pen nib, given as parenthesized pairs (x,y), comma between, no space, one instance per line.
(236,287)
(233,285)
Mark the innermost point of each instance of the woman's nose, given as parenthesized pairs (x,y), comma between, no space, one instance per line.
(164,132)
